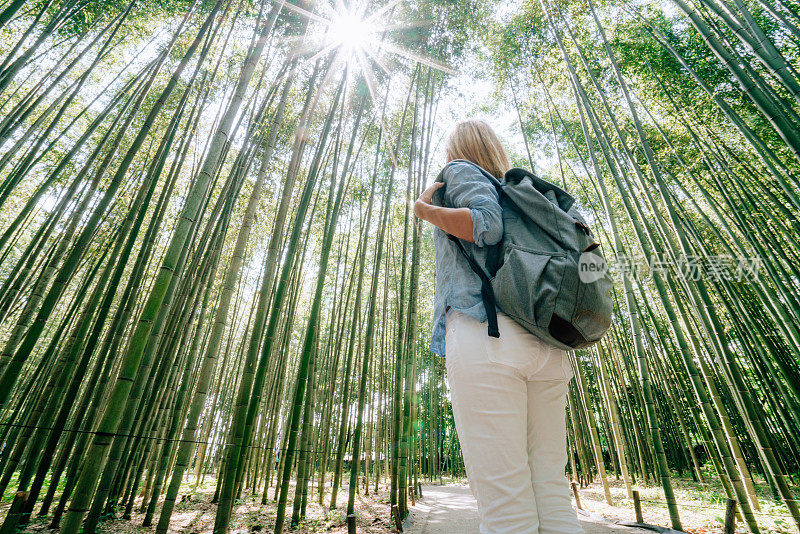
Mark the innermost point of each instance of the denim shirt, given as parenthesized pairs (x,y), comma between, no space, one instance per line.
(457,286)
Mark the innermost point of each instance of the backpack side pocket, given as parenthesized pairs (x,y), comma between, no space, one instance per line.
(527,284)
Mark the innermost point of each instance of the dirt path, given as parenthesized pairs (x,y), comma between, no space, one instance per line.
(452,510)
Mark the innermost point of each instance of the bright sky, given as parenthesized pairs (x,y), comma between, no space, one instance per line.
(468,95)
(471,94)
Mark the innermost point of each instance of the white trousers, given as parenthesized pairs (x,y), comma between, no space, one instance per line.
(508,396)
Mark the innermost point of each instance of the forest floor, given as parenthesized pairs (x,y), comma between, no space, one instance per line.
(701,510)
(194,514)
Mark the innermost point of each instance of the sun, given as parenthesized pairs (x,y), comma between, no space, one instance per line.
(350,31)
(361,34)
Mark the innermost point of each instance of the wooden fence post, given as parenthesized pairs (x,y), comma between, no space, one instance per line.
(637,504)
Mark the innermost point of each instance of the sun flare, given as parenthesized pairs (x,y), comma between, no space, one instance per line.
(350,31)
(362,34)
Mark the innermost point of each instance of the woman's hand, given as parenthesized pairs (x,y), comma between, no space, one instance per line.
(425,199)
(454,221)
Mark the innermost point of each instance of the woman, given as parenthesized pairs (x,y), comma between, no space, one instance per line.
(508,393)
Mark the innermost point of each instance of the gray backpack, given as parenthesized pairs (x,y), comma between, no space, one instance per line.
(548,272)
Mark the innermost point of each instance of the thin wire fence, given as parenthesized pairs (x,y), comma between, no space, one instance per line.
(158,438)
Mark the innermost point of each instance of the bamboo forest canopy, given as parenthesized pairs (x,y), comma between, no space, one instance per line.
(209,270)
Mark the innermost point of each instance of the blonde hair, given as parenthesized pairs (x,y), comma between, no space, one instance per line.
(475,141)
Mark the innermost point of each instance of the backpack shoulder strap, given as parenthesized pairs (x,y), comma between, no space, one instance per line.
(493,252)
(487,294)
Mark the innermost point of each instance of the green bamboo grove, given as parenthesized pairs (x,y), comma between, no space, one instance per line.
(210,273)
